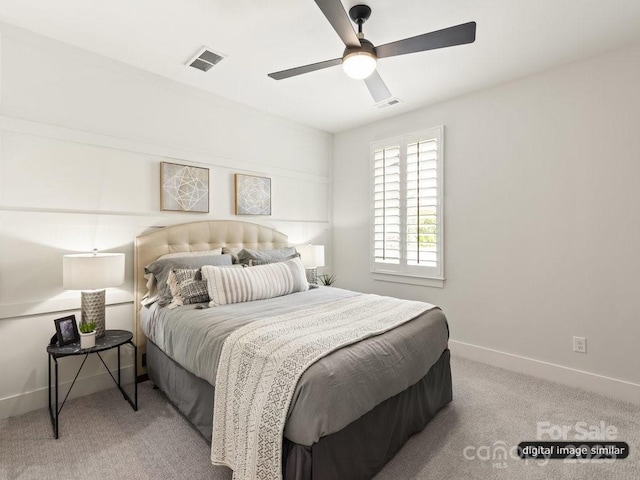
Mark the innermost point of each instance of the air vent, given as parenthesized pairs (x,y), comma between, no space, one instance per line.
(205,59)
(388,102)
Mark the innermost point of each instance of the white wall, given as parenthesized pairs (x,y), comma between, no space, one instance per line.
(81,140)
(542,221)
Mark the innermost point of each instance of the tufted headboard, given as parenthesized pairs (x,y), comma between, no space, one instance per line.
(193,237)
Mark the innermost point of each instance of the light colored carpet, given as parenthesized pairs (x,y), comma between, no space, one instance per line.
(101,437)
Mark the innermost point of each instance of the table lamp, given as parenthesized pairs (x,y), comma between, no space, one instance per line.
(312,257)
(92,273)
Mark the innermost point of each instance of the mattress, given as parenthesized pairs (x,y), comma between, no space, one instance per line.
(333,392)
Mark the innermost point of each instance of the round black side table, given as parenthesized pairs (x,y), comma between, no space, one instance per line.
(111,339)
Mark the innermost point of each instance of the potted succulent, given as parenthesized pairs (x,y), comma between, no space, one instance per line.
(326,279)
(87,335)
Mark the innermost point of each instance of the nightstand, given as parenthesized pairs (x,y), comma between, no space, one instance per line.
(111,339)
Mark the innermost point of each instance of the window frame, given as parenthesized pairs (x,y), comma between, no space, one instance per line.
(403,272)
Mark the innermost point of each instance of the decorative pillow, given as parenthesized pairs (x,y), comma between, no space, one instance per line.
(253,262)
(152,291)
(163,266)
(235,285)
(187,287)
(278,254)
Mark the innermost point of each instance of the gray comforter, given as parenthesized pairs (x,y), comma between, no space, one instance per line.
(334,391)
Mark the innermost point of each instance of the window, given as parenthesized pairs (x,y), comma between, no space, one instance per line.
(407,206)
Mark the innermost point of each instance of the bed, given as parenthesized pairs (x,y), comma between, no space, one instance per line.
(348,417)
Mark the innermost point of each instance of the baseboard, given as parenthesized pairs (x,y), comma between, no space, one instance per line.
(35,399)
(607,386)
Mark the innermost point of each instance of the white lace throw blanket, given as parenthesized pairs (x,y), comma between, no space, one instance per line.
(261,363)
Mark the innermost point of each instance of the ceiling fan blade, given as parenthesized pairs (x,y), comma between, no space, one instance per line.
(448,37)
(339,20)
(377,87)
(292,72)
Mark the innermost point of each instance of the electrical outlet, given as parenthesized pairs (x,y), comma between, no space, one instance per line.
(580,344)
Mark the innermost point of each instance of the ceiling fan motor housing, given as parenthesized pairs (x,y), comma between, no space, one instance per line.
(365,47)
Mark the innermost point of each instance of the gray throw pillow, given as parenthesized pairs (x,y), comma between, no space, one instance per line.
(254,262)
(278,254)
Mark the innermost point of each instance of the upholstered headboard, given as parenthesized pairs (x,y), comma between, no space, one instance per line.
(193,237)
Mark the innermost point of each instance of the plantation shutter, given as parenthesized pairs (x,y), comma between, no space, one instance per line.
(422,202)
(387,205)
(407,233)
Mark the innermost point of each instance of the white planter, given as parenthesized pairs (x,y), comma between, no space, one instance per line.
(87,340)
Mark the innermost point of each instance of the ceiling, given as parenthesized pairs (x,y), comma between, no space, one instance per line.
(514,38)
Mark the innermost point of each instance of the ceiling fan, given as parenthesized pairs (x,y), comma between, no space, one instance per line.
(360,55)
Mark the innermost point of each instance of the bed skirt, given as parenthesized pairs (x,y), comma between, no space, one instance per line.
(358,451)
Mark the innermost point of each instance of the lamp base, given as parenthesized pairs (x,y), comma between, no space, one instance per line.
(92,309)
(312,275)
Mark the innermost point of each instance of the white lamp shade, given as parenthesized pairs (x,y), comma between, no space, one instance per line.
(88,271)
(312,256)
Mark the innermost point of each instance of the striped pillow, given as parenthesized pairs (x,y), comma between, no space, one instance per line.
(235,285)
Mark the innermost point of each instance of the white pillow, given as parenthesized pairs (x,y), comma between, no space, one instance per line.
(235,285)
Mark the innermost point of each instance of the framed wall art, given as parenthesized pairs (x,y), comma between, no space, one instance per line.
(253,195)
(184,188)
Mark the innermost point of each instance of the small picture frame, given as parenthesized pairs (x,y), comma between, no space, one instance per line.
(67,330)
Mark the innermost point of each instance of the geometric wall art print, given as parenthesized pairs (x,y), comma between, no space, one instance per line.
(253,195)
(184,188)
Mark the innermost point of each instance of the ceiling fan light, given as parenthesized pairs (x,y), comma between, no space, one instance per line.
(359,65)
